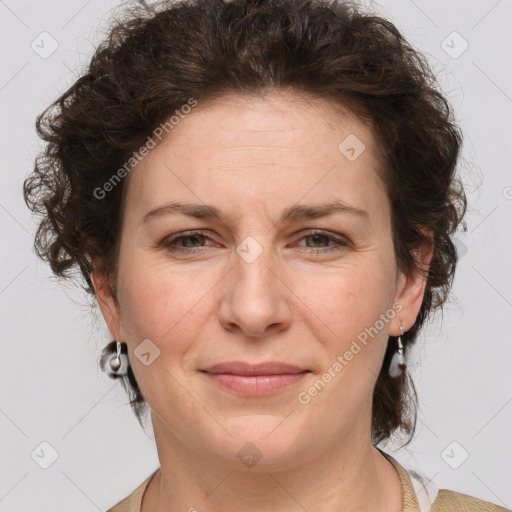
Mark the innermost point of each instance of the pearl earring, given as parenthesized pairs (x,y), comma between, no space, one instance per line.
(398,364)
(114,360)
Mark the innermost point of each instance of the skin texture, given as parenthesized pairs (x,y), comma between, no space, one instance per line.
(252,158)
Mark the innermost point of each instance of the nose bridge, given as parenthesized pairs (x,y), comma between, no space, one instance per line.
(254,258)
(254,298)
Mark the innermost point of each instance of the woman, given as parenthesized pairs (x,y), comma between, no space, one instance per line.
(260,195)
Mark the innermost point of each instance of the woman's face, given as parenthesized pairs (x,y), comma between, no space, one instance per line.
(252,287)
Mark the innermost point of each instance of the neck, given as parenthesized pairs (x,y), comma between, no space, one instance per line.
(350,476)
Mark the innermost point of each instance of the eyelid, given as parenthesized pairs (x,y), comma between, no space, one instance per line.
(324,232)
(339,241)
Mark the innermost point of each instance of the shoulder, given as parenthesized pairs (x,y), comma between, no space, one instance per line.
(122,506)
(129,504)
(445,500)
(452,501)
(132,503)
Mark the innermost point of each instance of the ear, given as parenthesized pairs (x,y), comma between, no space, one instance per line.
(108,304)
(411,288)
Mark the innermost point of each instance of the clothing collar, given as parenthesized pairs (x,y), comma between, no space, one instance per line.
(410,502)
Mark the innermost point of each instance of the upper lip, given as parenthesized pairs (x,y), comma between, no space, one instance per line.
(243,368)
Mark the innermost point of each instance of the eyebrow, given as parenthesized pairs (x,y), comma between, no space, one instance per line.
(293,213)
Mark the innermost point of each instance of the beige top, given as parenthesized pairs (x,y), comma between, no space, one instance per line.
(445,501)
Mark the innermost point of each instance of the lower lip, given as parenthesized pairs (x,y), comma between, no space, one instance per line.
(256,385)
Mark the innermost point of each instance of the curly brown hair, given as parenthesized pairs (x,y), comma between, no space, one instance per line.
(157,57)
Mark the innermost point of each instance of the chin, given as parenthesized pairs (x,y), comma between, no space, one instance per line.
(261,442)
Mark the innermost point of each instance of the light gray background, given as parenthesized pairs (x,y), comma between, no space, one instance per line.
(51,388)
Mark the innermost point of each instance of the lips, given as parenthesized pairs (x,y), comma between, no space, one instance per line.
(243,368)
(255,379)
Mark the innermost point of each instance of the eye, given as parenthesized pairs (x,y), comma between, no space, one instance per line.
(319,237)
(193,242)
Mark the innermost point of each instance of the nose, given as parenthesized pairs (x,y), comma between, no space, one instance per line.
(256,299)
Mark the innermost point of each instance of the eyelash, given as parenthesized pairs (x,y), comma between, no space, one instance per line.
(168,243)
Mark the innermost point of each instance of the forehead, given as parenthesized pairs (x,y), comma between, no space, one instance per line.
(272,118)
(277,148)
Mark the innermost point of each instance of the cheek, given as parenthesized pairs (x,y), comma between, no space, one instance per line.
(164,307)
(349,298)
(164,304)
(351,306)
